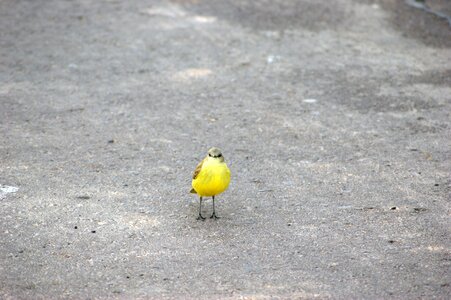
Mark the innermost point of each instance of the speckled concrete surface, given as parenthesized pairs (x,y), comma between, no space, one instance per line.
(334,122)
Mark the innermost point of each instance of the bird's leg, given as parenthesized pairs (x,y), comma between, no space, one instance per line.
(200,210)
(214,216)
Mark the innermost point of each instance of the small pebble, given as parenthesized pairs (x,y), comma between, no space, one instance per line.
(419,209)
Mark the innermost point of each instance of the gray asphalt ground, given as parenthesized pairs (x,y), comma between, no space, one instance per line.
(334,117)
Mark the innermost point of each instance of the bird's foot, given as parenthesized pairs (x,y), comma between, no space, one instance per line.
(200,218)
(214,216)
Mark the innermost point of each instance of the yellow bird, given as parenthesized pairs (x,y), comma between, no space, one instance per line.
(211,178)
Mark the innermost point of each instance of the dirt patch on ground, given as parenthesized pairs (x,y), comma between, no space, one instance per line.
(418,24)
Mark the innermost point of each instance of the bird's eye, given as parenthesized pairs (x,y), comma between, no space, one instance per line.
(209,155)
(219,155)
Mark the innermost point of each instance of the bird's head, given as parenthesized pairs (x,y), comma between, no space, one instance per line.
(215,153)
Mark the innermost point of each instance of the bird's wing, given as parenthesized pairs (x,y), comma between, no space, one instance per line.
(198,168)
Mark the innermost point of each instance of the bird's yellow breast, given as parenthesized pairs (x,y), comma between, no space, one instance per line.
(213,179)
